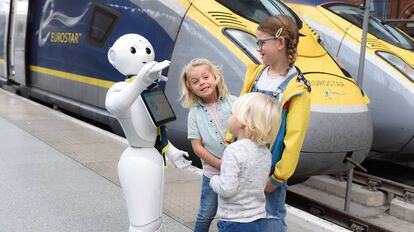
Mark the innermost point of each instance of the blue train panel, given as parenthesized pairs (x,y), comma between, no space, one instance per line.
(62,38)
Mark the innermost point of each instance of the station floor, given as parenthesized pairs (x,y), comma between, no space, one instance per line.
(59,174)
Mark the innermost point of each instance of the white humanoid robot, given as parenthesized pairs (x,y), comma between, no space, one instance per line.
(141,167)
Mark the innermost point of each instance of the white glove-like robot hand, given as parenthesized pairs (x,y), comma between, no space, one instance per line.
(152,71)
(175,157)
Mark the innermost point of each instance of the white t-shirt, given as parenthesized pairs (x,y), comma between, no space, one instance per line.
(271,83)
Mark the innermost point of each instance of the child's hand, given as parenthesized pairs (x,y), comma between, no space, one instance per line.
(219,164)
(270,187)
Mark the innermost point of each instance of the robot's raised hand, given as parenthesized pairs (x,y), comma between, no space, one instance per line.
(149,68)
(160,66)
(175,157)
(144,73)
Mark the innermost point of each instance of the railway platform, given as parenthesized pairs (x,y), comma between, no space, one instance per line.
(59,174)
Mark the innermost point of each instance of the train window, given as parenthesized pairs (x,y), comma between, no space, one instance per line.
(282,9)
(257,11)
(376,28)
(102,22)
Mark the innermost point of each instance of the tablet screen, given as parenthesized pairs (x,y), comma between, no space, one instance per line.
(158,106)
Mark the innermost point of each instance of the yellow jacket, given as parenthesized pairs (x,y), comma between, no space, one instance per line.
(295,112)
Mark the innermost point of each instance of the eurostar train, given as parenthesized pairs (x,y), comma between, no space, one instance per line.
(55,51)
(388,75)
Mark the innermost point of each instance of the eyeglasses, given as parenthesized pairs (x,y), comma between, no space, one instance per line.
(260,42)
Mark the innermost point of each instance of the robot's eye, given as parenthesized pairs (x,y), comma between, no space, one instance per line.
(148,51)
(133,51)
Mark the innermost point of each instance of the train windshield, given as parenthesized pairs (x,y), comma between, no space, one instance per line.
(380,30)
(258,10)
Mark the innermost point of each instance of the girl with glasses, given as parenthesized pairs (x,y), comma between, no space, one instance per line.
(277,39)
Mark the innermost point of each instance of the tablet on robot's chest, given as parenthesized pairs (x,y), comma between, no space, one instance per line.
(158,106)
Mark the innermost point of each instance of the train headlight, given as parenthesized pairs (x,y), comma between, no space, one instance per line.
(246,42)
(399,64)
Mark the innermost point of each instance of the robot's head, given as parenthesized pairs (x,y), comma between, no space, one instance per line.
(130,53)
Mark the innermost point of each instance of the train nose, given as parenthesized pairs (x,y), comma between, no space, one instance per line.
(340,126)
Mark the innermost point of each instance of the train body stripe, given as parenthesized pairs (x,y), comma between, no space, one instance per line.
(339,109)
(71,76)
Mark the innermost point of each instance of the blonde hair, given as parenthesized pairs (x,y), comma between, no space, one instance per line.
(259,114)
(188,98)
(271,25)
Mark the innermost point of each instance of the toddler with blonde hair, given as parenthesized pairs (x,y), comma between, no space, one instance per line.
(246,164)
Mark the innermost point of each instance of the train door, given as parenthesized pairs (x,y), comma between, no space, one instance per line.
(17,41)
(4,28)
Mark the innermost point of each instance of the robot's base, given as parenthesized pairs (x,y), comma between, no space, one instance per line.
(154,226)
(141,174)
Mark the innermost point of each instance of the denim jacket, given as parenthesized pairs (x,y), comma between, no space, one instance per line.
(201,125)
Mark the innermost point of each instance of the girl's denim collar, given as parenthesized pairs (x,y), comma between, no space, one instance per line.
(201,103)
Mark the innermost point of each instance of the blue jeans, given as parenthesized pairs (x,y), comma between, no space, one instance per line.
(259,225)
(276,209)
(208,207)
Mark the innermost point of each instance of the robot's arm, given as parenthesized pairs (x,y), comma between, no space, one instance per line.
(176,157)
(123,99)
